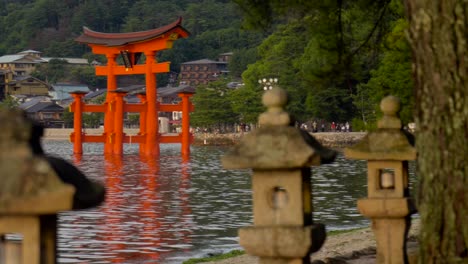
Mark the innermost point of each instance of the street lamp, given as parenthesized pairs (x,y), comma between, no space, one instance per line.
(269,83)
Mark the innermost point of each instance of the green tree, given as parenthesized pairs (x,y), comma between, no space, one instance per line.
(65,48)
(51,72)
(323,52)
(439,41)
(87,75)
(212,106)
(240,59)
(8,102)
(92,120)
(279,54)
(246,103)
(393,76)
(67,117)
(146,14)
(11,25)
(210,15)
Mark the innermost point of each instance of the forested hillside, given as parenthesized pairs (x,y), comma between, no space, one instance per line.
(50,26)
(336,58)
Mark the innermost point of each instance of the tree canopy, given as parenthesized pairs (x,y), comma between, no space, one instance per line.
(333,55)
(212,105)
(336,59)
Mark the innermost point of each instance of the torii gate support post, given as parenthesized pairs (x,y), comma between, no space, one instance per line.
(152,122)
(186,106)
(108,116)
(77,108)
(118,122)
(142,97)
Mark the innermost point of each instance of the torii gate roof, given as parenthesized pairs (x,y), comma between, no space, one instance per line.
(120,39)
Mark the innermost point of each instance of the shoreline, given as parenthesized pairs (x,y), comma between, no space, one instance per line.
(327,139)
(357,246)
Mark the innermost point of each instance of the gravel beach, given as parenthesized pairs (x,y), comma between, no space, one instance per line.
(355,247)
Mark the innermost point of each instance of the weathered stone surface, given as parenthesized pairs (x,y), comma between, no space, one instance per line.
(389,142)
(387,151)
(276,147)
(25,176)
(280,156)
(386,208)
(384,144)
(31,193)
(275,100)
(282,241)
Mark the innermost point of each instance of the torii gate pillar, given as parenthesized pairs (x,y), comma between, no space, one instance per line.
(109,118)
(152,122)
(186,105)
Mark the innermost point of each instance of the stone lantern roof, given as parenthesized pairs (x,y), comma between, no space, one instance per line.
(276,144)
(389,141)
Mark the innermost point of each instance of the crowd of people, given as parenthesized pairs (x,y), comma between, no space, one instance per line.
(310,126)
(315,127)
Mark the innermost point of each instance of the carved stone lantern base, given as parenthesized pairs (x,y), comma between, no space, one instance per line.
(282,244)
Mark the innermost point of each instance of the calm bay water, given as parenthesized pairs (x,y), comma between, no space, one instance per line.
(166,210)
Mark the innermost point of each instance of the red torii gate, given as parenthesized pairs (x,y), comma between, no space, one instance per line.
(130,46)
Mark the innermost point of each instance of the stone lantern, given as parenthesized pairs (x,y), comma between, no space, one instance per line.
(34,188)
(280,157)
(387,151)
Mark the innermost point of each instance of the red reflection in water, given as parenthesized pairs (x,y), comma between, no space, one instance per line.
(150,217)
(77,159)
(112,235)
(152,231)
(185,197)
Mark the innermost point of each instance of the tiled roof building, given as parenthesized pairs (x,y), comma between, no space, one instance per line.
(24,62)
(45,112)
(204,70)
(61,91)
(24,85)
(20,64)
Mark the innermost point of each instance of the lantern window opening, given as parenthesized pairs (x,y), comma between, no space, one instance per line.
(386,178)
(279,197)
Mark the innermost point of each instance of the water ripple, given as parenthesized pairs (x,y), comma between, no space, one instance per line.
(166,210)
